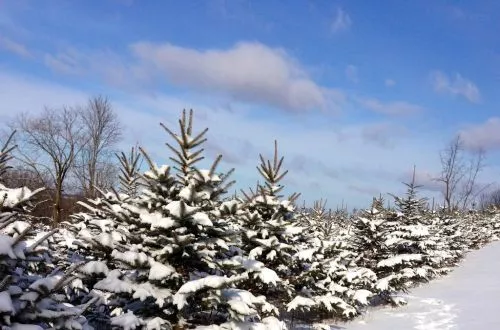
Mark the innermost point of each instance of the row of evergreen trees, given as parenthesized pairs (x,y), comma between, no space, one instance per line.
(171,250)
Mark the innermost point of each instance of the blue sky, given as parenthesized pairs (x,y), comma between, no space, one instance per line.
(356,92)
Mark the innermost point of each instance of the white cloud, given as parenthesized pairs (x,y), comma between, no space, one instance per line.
(342,21)
(14,47)
(247,72)
(389,82)
(394,108)
(485,135)
(457,85)
(351,73)
(105,64)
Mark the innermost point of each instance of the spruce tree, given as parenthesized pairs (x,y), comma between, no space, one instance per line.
(130,172)
(319,222)
(332,285)
(405,261)
(269,232)
(450,241)
(367,240)
(168,249)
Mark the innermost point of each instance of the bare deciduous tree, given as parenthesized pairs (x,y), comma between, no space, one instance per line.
(469,189)
(451,170)
(490,199)
(94,166)
(48,145)
(459,174)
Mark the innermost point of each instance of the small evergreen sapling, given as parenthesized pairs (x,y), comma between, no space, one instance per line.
(405,261)
(333,285)
(269,232)
(318,222)
(367,240)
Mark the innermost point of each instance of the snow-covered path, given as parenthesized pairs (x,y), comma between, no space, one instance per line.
(467,299)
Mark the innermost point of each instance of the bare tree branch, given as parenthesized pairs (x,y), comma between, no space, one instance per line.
(50,142)
(459,175)
(474,167)
(95,166)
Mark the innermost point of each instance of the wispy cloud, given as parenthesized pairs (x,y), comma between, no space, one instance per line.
(248,72)
(383,134)
(455,85)
(342,21)
(394,108)
(482,136)
(351,73)
(14,47)
(236,153)
(389,82)
(115,69)
(303,164)
(365,190)
(67,62)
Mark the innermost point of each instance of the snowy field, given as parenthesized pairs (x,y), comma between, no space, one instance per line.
(466,299)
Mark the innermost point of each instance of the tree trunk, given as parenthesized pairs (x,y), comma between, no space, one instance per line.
(56,212)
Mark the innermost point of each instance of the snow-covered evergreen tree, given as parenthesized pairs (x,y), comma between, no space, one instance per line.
(368,237)
(319,222)
(480,228)
(451,240)
(167,251)
(130,172)
(332,285)
(313,275)
(405,261)
(269,231)
(32,289)
(99,227)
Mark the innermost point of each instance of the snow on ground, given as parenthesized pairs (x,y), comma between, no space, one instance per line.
(467,299)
